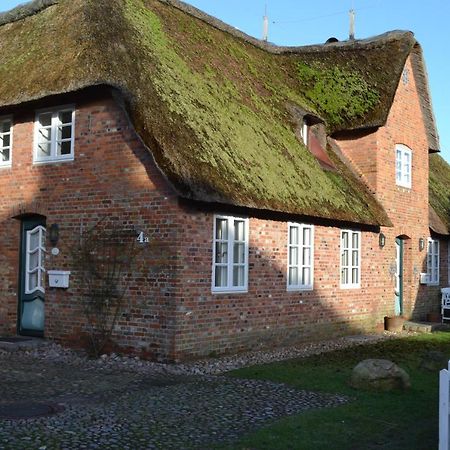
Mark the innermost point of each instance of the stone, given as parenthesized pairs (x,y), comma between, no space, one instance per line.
(433,360)
(379,375)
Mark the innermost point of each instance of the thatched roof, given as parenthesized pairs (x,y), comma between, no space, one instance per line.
(439,195)
(212,104)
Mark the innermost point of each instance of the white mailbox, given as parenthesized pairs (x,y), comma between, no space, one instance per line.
(58,278)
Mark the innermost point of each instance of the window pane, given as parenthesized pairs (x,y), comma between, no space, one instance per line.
(65,116)
(222,229)
(306,276)
(306,257)
(64,132)
(306,236)
(239,230)
(354,276)
(5,126)
(45,134)
(345,239)
(355,239)
(293,256)
(221,252)
(345,258)
(44,150)
(4,155)
(239,253)
(33,281)
(238,276)
(344,276)
(293,276)
(64,148)
(221,277)
(293,235)
(354,258)
(45,119)
(34,260)
(5,140)
(34,240)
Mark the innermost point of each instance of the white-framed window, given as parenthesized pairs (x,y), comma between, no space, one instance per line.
(304,132)
(6,135)
(54,134)
(230,254)
(403,166)
(35,253)
(350,259)
(300,272)
(433,261)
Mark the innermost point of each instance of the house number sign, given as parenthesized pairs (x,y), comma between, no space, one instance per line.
(142,238)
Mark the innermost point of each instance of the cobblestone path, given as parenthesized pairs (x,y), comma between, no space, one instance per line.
(124,409)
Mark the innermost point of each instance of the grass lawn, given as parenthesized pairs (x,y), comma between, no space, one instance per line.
(372,420)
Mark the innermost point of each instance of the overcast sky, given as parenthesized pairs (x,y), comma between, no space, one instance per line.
(295,22)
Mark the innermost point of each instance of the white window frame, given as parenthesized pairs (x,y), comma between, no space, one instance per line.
(350,249)
(301,286)
(7,119)
(432,268)
(41,255)
(304,132)
(53,140)
(230,254)
(401,166)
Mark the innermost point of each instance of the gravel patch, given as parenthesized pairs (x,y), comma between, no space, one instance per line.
(126,403)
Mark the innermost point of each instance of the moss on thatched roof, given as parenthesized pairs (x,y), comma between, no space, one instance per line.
(439,191)
(213,106)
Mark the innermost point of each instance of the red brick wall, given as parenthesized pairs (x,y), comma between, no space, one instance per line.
(112,175)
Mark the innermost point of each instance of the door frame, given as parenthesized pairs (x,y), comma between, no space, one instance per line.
(27,223)
(399,275)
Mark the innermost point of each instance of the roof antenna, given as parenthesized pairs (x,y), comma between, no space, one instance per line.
(352,24)
(265,25)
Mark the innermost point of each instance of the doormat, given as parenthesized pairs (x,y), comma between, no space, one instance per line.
(17,411)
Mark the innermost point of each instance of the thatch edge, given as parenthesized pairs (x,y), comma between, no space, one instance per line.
(25,10)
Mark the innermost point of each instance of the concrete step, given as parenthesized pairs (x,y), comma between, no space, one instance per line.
(425,327)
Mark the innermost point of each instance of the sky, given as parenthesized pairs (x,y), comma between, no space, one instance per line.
(302,22)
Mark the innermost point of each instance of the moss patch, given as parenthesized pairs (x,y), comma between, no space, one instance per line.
(439,187)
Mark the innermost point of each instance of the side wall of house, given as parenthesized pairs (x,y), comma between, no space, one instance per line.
(407,207)
(112,179)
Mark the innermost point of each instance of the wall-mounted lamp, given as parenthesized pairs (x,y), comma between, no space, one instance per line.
(421,244)
(382,240)
(54,234)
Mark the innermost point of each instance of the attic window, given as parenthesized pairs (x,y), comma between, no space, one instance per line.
(54,134)
(5,141)
(403,166)
(304,132)
(405,76)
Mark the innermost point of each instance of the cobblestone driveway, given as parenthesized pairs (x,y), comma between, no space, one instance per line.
(125,409)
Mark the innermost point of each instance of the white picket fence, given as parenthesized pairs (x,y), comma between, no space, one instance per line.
(444,408)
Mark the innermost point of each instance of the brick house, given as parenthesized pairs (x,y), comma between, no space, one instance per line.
(286,193)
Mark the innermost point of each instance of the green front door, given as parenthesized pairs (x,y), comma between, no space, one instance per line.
(31,277)
(398,277)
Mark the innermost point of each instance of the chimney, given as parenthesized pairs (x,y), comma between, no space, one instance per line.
(265,26)
(352,25)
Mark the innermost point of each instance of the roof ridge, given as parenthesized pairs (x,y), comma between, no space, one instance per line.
(279,49)
(25,10)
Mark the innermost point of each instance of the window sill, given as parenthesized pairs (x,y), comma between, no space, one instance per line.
(52,161)
(299,288)
(5,166)
(350,286)
(230,291)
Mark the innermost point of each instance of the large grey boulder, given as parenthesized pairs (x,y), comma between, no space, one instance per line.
(379,375)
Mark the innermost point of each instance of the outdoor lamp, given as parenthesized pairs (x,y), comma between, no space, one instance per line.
(382,240)
(421,244)
(54,234)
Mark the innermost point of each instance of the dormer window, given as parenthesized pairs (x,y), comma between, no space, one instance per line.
(403,165)
(304,132)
